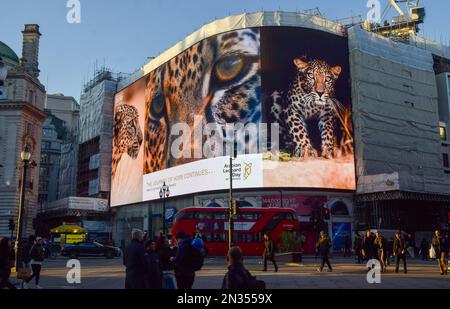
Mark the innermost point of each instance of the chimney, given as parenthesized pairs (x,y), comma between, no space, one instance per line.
(30,49)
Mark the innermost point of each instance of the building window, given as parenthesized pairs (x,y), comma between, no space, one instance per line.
(45,158)
(443,133)
(445,160)
(46,145)
(44,171)
(43,185)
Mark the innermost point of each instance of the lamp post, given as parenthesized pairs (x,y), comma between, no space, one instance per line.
(25,156)
(164,193)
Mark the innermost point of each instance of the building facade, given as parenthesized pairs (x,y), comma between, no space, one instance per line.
(21,116)
(397,123)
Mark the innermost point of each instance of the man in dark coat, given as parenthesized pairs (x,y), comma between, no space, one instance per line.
(184,270)
(399,251)
(269,252)
(368,247)
(323,248)
(237,276)
(357,246)
(440,246)
(134,261)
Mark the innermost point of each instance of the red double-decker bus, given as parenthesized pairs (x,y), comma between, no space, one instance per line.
(248,227)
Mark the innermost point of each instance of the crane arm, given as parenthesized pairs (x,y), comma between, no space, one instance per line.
(395,5)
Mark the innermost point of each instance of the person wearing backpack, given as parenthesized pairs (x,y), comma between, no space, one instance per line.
(237,276)
(35,259)
(184,262)
(269,252)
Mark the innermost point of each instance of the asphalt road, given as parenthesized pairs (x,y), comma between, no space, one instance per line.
(101,273)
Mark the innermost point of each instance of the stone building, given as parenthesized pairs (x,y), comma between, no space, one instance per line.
(21,117)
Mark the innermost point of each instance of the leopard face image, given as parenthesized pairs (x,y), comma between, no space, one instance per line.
(217,79)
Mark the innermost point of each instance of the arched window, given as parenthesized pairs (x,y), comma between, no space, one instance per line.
(339,209)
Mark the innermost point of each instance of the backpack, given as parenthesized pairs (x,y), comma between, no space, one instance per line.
(196,259)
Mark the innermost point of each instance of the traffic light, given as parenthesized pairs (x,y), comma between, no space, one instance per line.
(11,225)
(326,213)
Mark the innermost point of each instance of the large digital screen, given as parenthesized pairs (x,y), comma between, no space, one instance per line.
(279,97)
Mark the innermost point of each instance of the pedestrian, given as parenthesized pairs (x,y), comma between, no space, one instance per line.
(134,261)
(424,246)
(153,266)
(411,246)
(6,263)
(439,244)
(35,258)
(323,247)
(368,247)
(399,252)
(184,268)
(269,252)
(357,247)
(381,246)
(347,245)
(237,276)
(167,257)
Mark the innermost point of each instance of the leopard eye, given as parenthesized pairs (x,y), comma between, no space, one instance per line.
(229,68)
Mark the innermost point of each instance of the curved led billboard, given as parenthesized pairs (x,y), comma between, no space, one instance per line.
(279,97)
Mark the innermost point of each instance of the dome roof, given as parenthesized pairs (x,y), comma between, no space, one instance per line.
(7,52)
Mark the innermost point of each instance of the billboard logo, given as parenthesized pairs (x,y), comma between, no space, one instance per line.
(74,14)
(74,274)
(247,170)
(374,14)
(374,274)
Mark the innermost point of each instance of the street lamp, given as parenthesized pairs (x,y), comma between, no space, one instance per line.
(25,155)
(164,193)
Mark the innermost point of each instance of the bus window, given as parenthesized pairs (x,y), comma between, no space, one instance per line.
(203,215)
(249,216)
(184,215)
(283,216)
(220,216)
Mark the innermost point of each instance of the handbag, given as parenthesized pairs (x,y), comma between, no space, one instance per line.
(24,272)
(432,253)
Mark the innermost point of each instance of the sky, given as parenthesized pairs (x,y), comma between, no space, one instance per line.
(122,35)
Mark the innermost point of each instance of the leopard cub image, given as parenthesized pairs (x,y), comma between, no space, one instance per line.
(310,96)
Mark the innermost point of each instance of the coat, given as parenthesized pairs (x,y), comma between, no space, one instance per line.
(368,245)
(153,270)
(237,277)
(183,259)
(399,247)
(135,263)
(269,248)
(440,245)
(324,245)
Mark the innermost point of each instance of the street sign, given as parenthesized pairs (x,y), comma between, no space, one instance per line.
(170,214)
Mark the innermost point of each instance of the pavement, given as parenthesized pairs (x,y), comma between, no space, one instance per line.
(101,273)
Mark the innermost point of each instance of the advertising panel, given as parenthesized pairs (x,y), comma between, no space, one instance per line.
(280,96)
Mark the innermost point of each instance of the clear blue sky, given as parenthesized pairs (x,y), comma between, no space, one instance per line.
(122,34)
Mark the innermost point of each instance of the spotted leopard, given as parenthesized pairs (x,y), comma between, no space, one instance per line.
(127,134)
(310,96)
